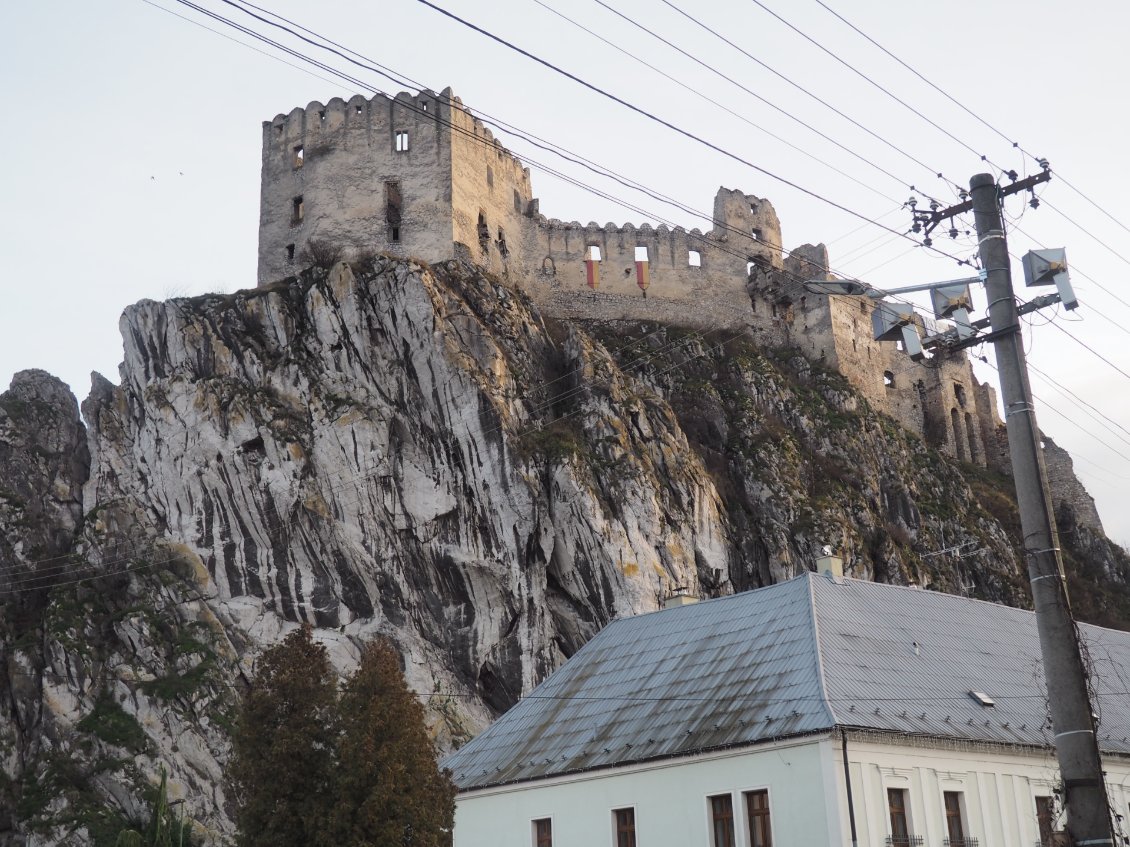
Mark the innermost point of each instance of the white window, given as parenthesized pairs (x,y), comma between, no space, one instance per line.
(694,258)
(641,254)
(402,141)
(593,253)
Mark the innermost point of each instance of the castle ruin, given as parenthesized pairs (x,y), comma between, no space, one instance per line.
(419,176)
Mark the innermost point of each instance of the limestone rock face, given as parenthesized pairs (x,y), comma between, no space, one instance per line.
(412,452)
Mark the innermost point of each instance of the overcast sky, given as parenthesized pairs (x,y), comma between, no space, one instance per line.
(132,144)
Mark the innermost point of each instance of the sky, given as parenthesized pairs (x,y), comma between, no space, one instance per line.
(132,147)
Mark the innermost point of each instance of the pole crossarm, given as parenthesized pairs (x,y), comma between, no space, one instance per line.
(929,220)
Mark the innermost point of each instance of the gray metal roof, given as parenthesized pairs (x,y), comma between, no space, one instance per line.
(795,658)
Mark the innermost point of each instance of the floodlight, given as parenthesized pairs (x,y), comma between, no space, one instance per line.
(1049,267)
(840,286)
(895,322)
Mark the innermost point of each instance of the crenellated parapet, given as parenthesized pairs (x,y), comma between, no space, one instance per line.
(419,175)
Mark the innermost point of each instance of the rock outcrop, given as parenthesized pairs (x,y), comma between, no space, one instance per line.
(391,449)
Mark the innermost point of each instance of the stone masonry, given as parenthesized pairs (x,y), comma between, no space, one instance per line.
(418,175)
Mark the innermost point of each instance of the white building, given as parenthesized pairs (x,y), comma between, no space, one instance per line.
(728,723)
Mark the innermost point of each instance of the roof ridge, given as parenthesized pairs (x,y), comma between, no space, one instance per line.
(825,700)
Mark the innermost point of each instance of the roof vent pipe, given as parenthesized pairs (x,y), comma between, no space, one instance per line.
(830,565)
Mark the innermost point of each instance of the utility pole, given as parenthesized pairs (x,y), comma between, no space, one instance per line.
(1076,745)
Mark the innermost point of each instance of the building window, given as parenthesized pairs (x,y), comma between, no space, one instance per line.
(959,394)
(543,833)
(900,828)
(299,157)
(624,821)
(297,210)
(1045,819)
(290,254)
(955,823)
(694,258)
(757,815)
(756,234)
(503,250)
(888,379)
(321,114)
(593,253)
(424,105)
(402,141)
(722,820)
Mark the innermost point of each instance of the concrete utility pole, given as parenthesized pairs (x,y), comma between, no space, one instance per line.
(1077,749)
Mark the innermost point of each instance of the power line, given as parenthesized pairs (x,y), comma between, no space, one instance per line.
(665,123)
(1088,347)
(697,93)
(791,82)
(773,105)
(968,111)
(877,85)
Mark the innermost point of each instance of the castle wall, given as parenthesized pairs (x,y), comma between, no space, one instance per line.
(490,193)
(418,175)
(334,173)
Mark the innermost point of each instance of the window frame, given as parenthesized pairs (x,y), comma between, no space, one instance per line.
(747,818)
(711,820)
(399,136)
(907,837)
(535,836)
(957,814)
(616,826)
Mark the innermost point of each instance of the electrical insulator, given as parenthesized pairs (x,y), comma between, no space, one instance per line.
(927,242)
(917,227)
(934,205)
(953,232)
(963,194)
(912,202)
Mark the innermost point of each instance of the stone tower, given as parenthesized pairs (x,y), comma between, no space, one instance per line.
(411,175)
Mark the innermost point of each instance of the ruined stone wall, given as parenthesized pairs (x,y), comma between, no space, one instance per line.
(360,174)
(419,175)
(490,194)
(1066,489)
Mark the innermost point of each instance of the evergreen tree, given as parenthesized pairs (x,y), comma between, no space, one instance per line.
(390,791)
(283,756)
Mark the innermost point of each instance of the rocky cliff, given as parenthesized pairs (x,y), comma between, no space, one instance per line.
(387,448)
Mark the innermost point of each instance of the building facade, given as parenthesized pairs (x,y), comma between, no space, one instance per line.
(821,711)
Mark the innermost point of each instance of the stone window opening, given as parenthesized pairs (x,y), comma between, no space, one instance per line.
(750,266)
(358,108)
(888,379)
(393,207)
(694,258)
(299,156)
(278,129)
(753,208)
(424,105)
(548,266)
(490,178)
(592,253)
(502,249)
(641,253)
(970,434)
(958,441)
(321,114)
(484,232)
(290,254)
(863,307)
(756,234)
(402,141)
(959,394)
(297,210)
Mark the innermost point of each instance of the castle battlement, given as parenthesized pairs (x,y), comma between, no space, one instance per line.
(419,175)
